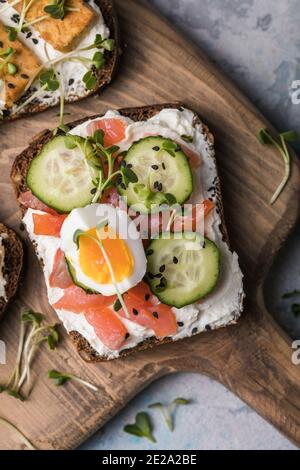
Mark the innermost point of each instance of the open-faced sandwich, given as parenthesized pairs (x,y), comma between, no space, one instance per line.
(54,51)
(126,216)
(11,263)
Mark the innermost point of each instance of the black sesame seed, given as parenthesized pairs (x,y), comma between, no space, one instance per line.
(11,85)
(122,185)
(162,268)
(35,41)
(25,76)
(212,188)
(119,180)
(127,335)
(156,148)
(28,35)
(149,252)
(155,314)
(155,185)
(129,165)
(175,260)
(134,311)
(158,275)
(150,275)
(147,297)
(194,331)
(180,323)
(93,191)
(71,81)
(208,327)
(163,166)
(159,187)
(154,167)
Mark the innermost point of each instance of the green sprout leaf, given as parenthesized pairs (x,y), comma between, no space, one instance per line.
(266,139)
(32,317)
(168,411)
(98,60)
(48,80)
(58,377)
(56,9)
(76,237)
(290,136)
(293,293)
(295,309)
(71,141)
(129,175)
(12,33)
(170,147)
(12,68)
(108,44)
(170,199)
(117,305)
(142,427)
(89,80)
(98,137)
(187,138)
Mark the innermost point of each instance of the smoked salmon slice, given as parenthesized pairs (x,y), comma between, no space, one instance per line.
(60,276)
(108,327)
(28,200)
(114,130)
(141,308)
(48,224)
(77,300)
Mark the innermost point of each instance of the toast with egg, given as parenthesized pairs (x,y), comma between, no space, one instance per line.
(61,36)
(142,114)
(11,263)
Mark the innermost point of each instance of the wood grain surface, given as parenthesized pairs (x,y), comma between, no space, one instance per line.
(253,358)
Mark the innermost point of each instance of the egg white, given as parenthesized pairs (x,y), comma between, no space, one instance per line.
(87,218)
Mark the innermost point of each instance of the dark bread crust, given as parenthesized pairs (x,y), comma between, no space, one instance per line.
(104,76)
(13,264)
(18,175)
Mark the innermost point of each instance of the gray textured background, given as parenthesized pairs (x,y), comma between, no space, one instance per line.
(257,43)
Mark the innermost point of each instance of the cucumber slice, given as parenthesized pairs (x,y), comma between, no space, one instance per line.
(62,178)
(182,271)
(72,272)
(162,169)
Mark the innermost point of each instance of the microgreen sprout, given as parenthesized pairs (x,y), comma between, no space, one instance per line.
(60,378)
(5,422)
(142,427)
(266,139)
(32,334)
(57,9)
(5,57)
(168,411)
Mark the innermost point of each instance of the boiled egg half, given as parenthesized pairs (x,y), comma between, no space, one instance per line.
(120,262)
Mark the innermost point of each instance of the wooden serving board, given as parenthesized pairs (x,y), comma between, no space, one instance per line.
(253,358)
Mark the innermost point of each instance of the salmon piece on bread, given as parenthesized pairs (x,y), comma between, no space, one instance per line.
(63,34)
(25,61)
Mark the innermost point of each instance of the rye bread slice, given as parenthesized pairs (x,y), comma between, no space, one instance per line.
(18,176)
(104,76)
(13,264)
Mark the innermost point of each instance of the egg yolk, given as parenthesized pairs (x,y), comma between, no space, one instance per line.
(92,261)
